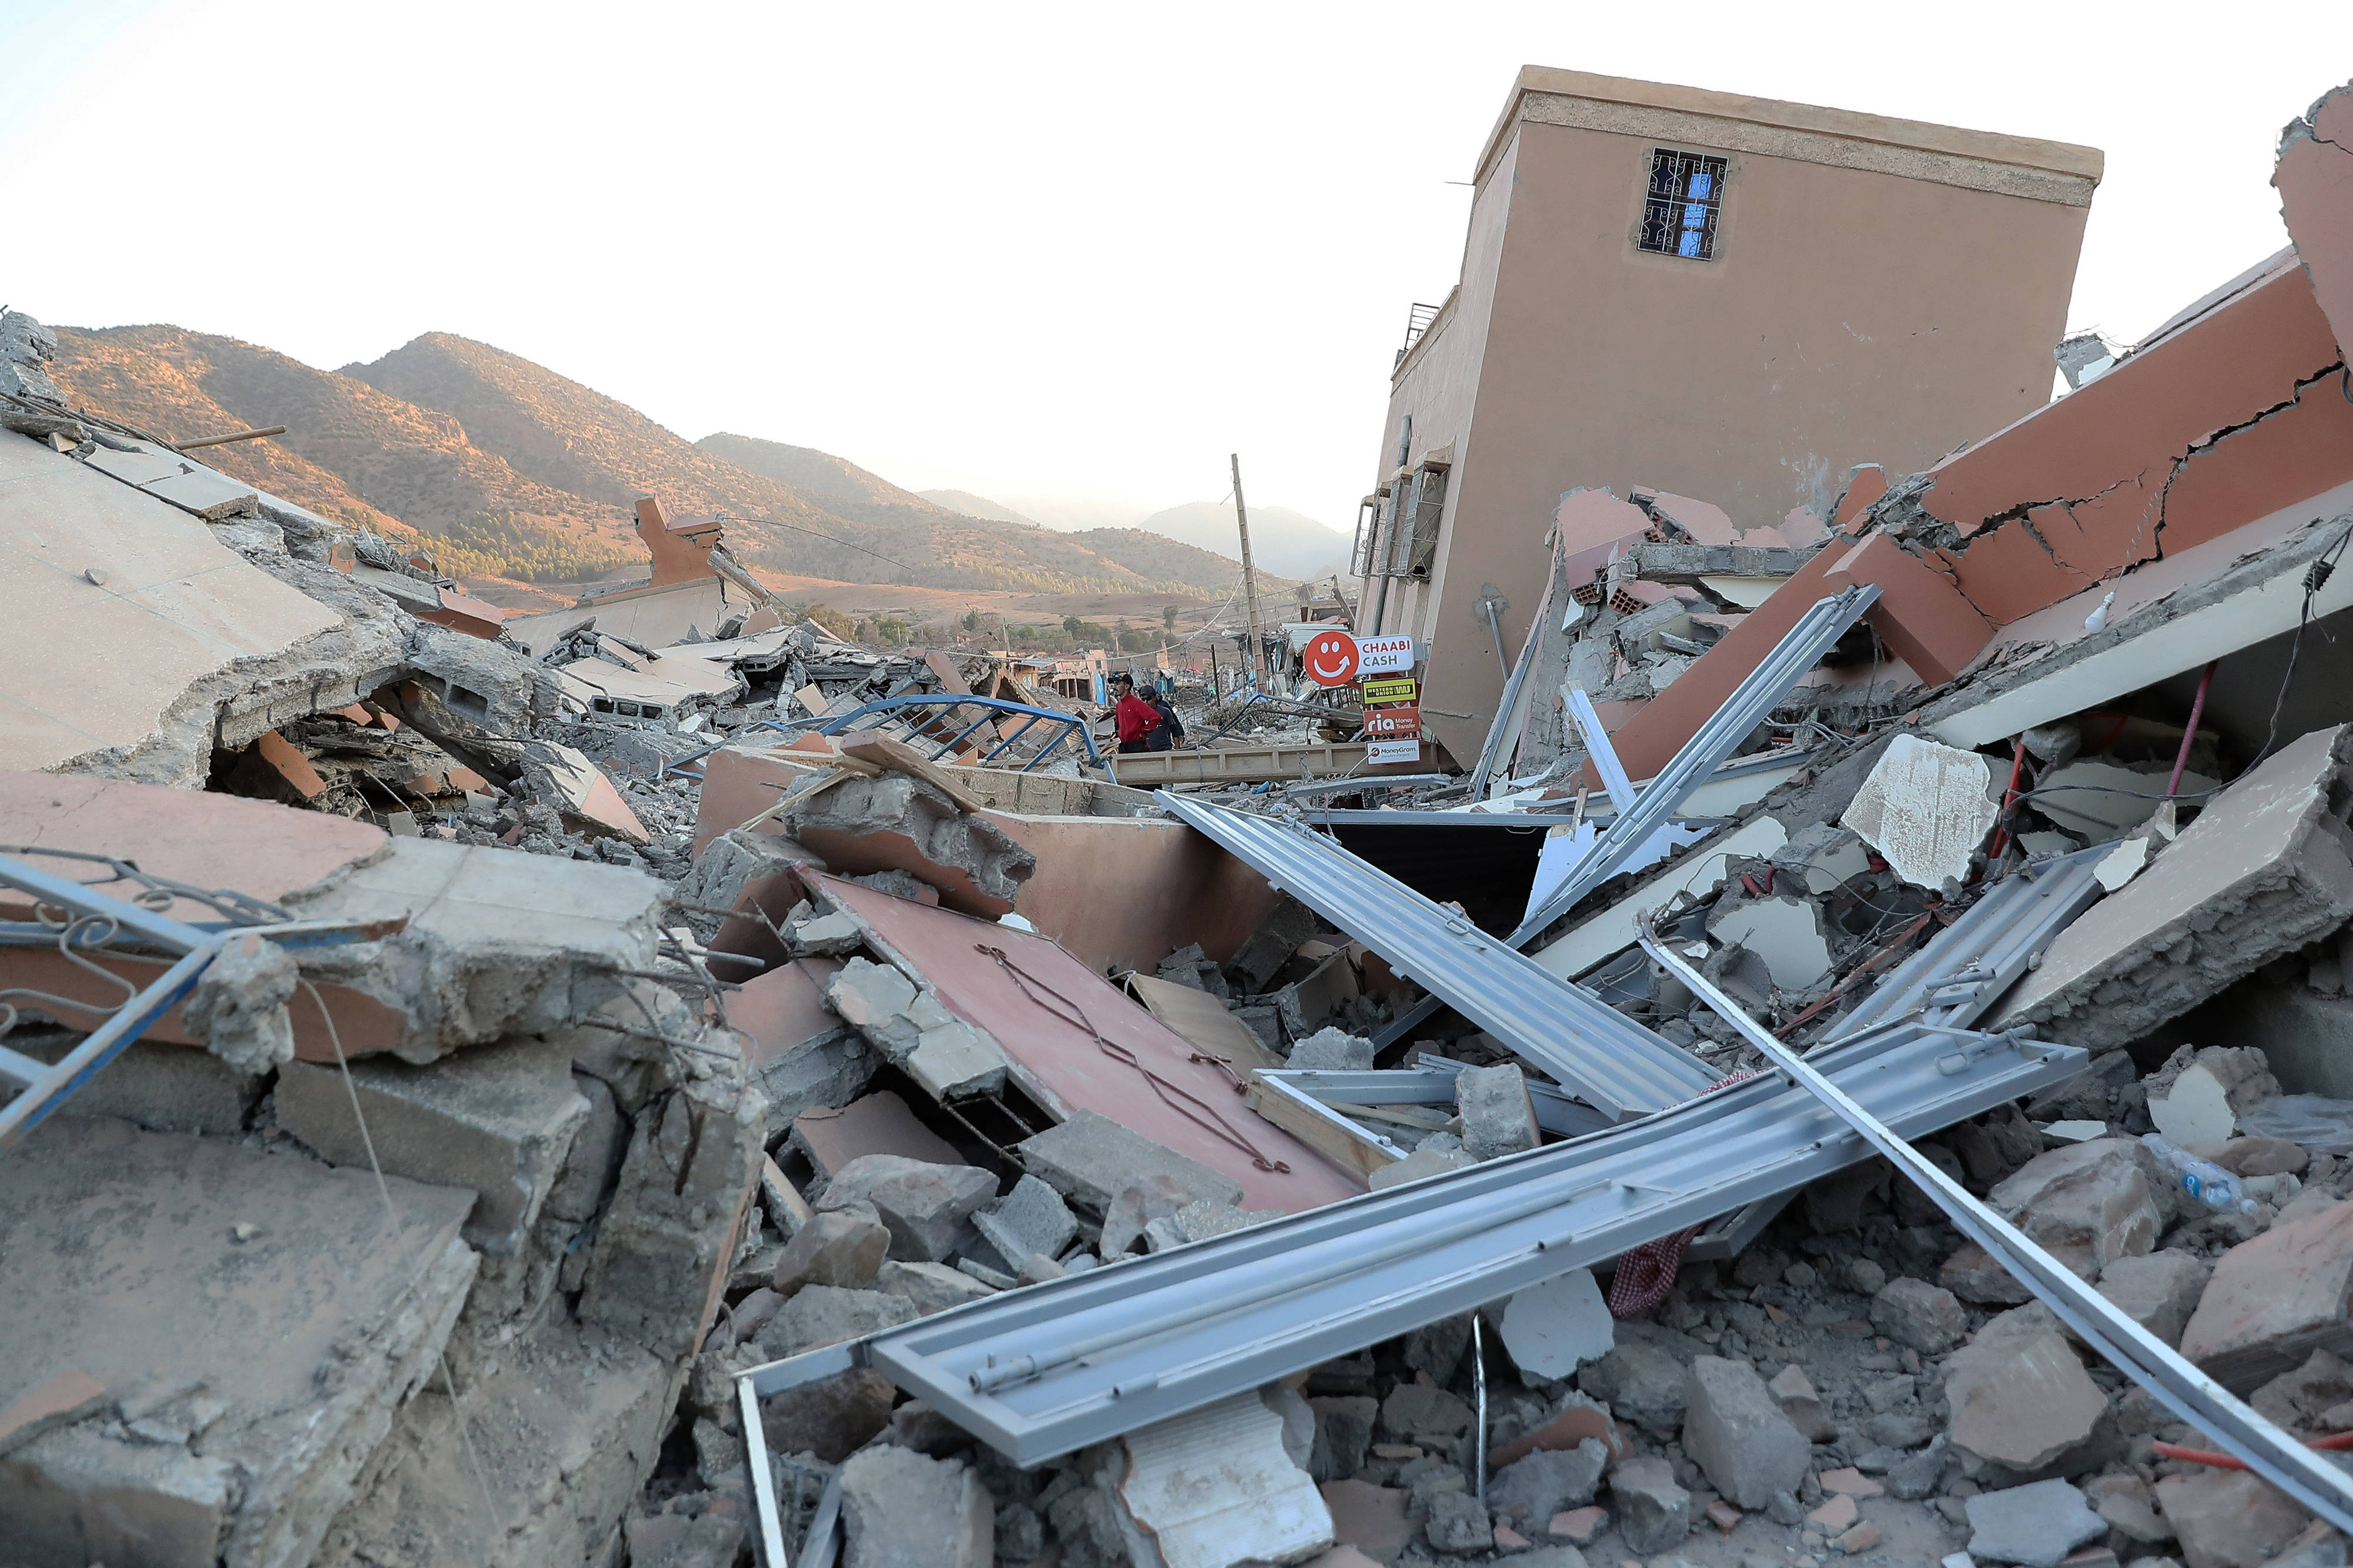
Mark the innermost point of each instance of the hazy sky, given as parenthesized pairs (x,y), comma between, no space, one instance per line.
(1008,246)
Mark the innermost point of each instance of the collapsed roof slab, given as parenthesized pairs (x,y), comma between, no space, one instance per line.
(257,1317)
(118,602)
(2315,179)
(497,942)
(2262,871)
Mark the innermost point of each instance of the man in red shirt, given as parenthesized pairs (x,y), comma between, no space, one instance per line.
(1135,718)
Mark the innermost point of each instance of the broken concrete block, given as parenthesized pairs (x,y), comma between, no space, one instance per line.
(1031,1218)
(1297,1420)
(2019,1398)
(832,1418)
(826,935)
(2262,873)
(844,1246)
(1269,947)
(897,822)
(949,1057)
(901,1510)
(2035,1525)
(929,1287)
(1417,1166)
(2274,1300)
(2158,1291)
(1654,1512)
(821,1315)
(1925,807)
(2086,1205)
(1344,1431)
(1498,1117)
(1822,858)
(2303,1400)
(2197,1096)
(2225,1518)
(1458,1525)
(1785,932)
(1531,1490)
(662,1250)
(1089,1158)
(737,862)
(1135,1206)
(1918,1315)
(1215,1486)
(927,1207)
(580,793)
(1198,1221)
(498,1120)
(238,1007)
(1641,1381)
(683,1541)
(828,1070)
(1971,1274)
(1419,1410)
(142,1288)
(1735,1431)
(1553,1328)
(1332,1050)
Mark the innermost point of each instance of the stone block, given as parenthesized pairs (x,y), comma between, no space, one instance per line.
(2306,1400)
(2086,1205)
(2197,1096)
(2276,1299)
(1553,1328)
(1641,1382)
(1089,1158)
(1344,1431)
(1031,1218)
(1920,1315)
(1216,1486)
(2228,1518)
(1654,1513)
(1794,1392)
(822,1315)
(498,1119)
(902,1509)
(2262,872)
(1415,1410)
(1135,1206)
(2019,1398)
(842,1247)
(2159,1290)
(927,1207)
(1369,1518)
(1530,1491)
(2034,1525)
(832,1418)
(1458,1525)
(1736,1434)
(929,1287)
(1972,1274)
(1498,1117)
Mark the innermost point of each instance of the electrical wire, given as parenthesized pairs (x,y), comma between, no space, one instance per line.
(2316,576)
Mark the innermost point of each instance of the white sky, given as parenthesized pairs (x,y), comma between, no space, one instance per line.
(1008,247)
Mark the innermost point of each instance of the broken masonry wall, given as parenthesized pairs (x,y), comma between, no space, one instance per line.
(2314,180)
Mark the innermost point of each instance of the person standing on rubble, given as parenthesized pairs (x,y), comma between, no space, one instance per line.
(1135,719)
(1171,732)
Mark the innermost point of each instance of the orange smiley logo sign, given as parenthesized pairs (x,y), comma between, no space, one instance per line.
(1330,658)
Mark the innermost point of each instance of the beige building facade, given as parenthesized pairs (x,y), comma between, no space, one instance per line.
(1720,297)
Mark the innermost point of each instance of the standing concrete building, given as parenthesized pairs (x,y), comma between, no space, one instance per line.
(1721,297)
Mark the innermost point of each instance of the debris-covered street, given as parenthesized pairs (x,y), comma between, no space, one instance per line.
(1631,1030)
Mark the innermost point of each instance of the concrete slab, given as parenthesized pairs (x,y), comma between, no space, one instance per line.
(88,666)
(2262,871)
(288,1351)
(1216,1486)
(1784,933)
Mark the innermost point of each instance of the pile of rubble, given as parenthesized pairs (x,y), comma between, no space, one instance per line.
(1862,1071)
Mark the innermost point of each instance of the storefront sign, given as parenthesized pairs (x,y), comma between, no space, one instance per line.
(1391,723)
(1384,655)
(1403,688)
(1382,753)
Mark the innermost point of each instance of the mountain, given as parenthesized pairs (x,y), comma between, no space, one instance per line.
(1283,544)
(519,473)
(972,505)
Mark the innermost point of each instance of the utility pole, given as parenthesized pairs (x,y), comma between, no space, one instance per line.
(1254,660)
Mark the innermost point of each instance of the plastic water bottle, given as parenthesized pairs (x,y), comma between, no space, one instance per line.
(2201,1179)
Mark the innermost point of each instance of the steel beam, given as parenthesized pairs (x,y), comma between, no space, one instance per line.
(1592,1049)
(1046,1370)
(2278,1457)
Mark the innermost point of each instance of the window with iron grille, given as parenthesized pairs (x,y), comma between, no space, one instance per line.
(1368,528)
(1428,507)
(1686,197)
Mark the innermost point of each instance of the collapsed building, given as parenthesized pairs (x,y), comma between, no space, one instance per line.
(1855,1069)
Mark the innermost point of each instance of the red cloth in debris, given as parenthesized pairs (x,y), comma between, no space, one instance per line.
(1646,1273)
(1136,716)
